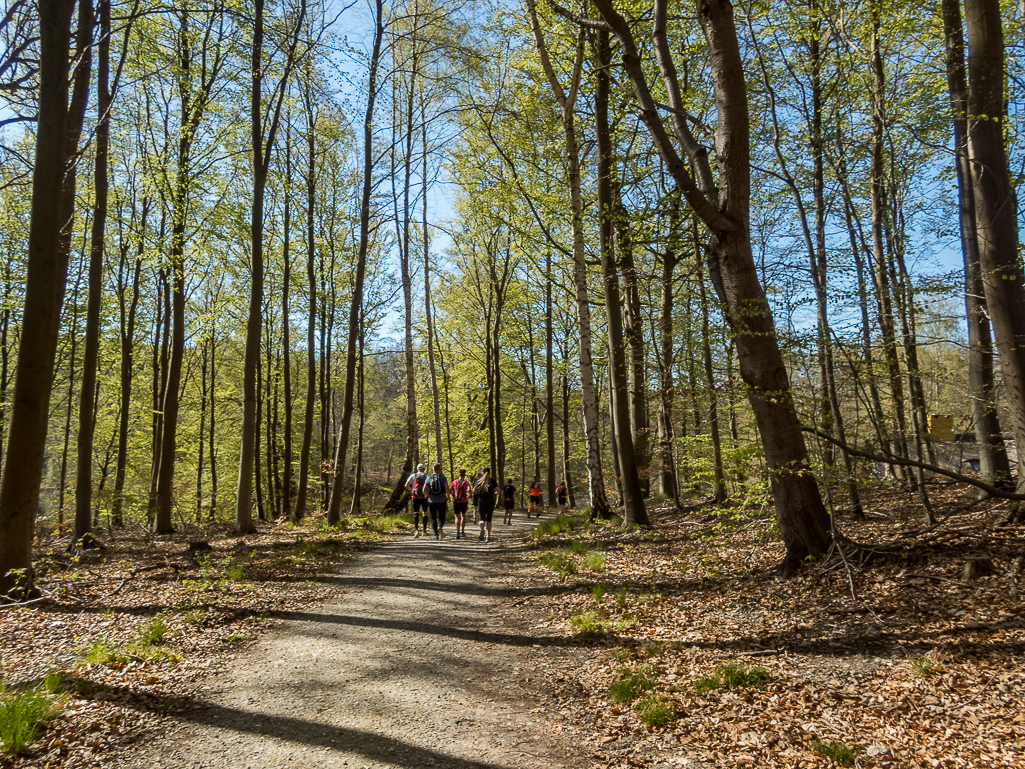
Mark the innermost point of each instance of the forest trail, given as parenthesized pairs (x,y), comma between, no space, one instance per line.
(423,663)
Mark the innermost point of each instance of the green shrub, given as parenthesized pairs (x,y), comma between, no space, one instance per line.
(594,560)
(619,654)
(598,591)
(21,715)
(576,547)
(590,624)
(837,751)
(153,632)
(931,663)
(655,710)
(631,685)
(560,563)
(236,572)
(621,597)
(733,675)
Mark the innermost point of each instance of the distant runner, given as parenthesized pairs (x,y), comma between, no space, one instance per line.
(535,497)
(486,490)
(562,496)
(509,501)
(437,500)
(417,485)
(460,501)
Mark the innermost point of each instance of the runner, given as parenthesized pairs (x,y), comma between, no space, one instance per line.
(460,495)
(476,498)
(437,500)
(417,485)
(509,501)
(487,490)
(561,495)
(535,497)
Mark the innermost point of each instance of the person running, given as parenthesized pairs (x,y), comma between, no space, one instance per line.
(509,500)
(417,486)
(535,497)
(437,500)
(562,496)
(487,491)
(460,501)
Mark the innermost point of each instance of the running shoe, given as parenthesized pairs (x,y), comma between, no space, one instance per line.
(481,537)
(416,534)
(441,533)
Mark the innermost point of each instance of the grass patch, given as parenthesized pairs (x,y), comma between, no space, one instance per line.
(236,572)
(837,751)
(576,547)
(555,526)
(22,714)
(655,710)
(598,591)
(619,654)
(560,563)
(590,624)
(930,664)
(621,597)
(631,684)
(733,675)
(594,560)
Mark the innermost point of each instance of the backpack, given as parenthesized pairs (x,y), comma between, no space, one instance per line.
(459,489)
(560,492)
(436,486)
(419,481)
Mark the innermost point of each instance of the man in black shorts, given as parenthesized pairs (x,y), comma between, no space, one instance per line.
(417,485)
(460,501)
(508,500)
(437,500)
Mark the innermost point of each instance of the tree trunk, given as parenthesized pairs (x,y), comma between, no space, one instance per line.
(550,384)
(356,306)
(634,512)
(44,292)
(90,354)
(566,102)
(127,337)
(718,485)
(994,467)
(995,211)
(311,321)
(802,518)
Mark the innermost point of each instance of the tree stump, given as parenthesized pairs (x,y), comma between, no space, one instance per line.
(977,565)
(199,547)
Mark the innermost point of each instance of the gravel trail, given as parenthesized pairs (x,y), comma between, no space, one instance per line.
(424,662)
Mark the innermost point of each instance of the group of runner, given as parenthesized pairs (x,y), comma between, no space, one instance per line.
(431,493)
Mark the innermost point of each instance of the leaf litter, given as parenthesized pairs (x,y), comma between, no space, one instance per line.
(918,668)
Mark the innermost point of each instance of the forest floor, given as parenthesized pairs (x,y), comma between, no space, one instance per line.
(568,645)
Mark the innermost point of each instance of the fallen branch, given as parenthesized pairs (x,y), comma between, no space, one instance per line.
(892,460)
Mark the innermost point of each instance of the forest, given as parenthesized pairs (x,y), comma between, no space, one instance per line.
(262,259)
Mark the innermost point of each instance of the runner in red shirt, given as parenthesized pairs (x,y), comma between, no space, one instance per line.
(535,497)
(460,501)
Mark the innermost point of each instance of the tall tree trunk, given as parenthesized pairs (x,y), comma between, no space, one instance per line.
(567,101)
(995,211)
(44,292)
(356,306)
(311,320)
(263,132)
(127,337)
(879,256)
(286,341)
(70,402)
(567,469)
(718,484)
(994,467)
(667,484)
(90,354)
(724,208)
(634,512)
(550,384)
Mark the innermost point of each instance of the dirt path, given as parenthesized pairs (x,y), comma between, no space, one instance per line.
(425,662)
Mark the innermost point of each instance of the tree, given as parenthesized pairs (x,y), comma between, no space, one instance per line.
(44,294)
(723,206)
(995,210)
